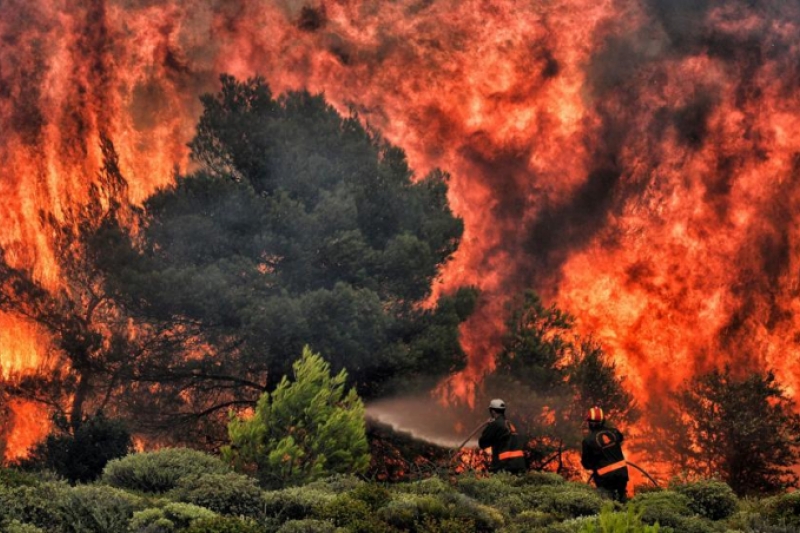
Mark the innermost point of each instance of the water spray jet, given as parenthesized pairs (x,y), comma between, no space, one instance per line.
(425,420)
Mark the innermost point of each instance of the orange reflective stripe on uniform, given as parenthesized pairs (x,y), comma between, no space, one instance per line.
(610,468)
(511,455)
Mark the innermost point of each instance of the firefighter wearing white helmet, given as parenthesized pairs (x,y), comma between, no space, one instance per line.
(501,436)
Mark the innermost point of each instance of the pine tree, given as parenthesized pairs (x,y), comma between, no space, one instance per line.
(742,429)
(309,427)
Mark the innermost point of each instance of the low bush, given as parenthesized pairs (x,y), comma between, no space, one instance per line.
(570,500)
(96,509)
(17,527)
(294,503)
(528,521)
(162,470)
(368,526)
(432,485)
(343,510)
(759,524)
(572,525)
(538,479)
(667,508)
(80,456)
(223,524)
(488,489)
(402,512)
(698,524)
(446,525)
(375,496)
(150,521)
(714,500)
(230,493)
(513,504)
(783,509)
(11,477)
(34,505)
(408,512)
(466,509)
(612,521)
(172,517)
(307,526)
(336,484)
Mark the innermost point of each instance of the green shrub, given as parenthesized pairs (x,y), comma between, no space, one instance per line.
(35,505)
(667,508)
(698,524)
(150,521)
(490,489)
(172,517)
(307,526)
(294,503)
(714,500)
(18,527)
(572,525)
(96,509)
(336,484)
(536,491)
(231,493)
(783,509)
(11,477)
(432,485)
(446,525)
(611,521)
(375,496)
(408,512)
(569,500)
(223,524)
(183,514)
(162,470)
(344,509)
(80,456)
(466,509)
(402,512)
(513,505)
(529,520)
(538,479)
(370,525)
(759,524)
(310,426)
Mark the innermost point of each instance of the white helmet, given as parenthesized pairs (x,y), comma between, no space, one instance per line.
(497,404)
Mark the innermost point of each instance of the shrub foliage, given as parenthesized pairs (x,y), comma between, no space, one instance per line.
(306,429)
(161,470)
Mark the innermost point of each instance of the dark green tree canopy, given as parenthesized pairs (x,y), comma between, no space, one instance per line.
(79,455)
(300,227)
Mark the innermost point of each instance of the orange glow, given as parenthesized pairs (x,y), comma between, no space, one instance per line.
(685,257)
(31,424)
(21,346)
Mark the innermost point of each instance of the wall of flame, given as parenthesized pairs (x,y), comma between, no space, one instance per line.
(633,160)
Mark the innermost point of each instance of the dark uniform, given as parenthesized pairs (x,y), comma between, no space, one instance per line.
(602,453)
(507,454)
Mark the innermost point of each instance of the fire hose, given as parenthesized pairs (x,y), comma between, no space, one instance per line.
(593,477)
(477,429)
(642,470)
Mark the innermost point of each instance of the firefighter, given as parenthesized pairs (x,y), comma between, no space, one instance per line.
(501,436)
(602,454)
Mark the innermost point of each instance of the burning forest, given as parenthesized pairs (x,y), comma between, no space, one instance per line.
(193,191)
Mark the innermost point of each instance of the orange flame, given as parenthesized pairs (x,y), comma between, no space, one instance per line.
(633,161)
